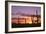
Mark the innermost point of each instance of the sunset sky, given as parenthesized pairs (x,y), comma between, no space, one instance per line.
(29,10)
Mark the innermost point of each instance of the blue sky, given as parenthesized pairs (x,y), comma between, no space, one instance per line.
(25,10)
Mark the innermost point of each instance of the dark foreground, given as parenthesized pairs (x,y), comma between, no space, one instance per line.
(25,25)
